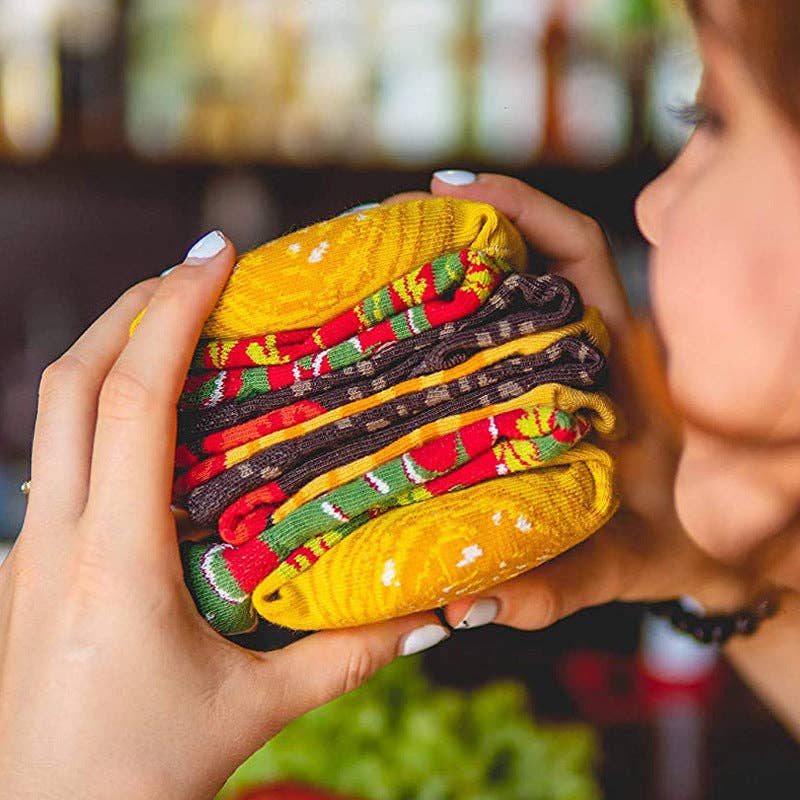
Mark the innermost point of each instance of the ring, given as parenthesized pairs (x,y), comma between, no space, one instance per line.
(25,487)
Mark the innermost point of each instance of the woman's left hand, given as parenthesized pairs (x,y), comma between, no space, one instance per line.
(111,683)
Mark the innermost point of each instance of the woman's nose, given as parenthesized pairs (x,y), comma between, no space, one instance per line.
(648,209)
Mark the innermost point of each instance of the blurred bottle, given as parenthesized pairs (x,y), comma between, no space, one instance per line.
(680,676)
(595,103)
(328,114)
(421,103)
(162,76)
(510,81)
(92,83)
(30,101)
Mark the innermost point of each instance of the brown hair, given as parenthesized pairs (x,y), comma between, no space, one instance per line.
(768,36)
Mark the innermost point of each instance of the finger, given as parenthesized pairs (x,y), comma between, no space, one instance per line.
(404,197)
(575,242)
(65,420)
(318,668)
(601,569)
(134,443)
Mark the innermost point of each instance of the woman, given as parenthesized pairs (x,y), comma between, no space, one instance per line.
(111,682)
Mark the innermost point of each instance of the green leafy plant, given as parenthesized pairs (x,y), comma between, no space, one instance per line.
(401,738)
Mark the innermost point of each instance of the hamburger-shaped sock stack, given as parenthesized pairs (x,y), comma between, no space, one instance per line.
(385,412)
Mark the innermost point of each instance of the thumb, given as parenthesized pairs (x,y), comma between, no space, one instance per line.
(287,683)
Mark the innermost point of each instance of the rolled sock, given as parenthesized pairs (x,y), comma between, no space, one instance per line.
(558,363)
(596,404)
(245,515)
(411,559)
(218,481)
(462,282)
(421,295)
(545,302)
(349,258)
(509,456)
(235,572)
(235,615)
(457,349)
(590,328)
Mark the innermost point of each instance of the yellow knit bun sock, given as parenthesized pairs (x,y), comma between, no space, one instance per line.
(415,558)
(311,275)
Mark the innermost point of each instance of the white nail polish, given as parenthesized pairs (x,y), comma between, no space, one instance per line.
(167,271)
(207,247)
(421,639)
(455,177)
(481,612)
(354,209)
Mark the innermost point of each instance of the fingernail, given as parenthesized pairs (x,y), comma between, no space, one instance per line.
(354,209)
(455,177)
(421,639)
(205,248)
(481,612)
(167,271)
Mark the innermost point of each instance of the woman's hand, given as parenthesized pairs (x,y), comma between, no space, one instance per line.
(111,684)
(643,553)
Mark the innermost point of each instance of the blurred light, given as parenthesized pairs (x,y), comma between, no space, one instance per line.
(399,81)
(512,18)
(421,102)
(596,109)
(87,26)
(159,75)
(30,96)
(510,106)
(510,103)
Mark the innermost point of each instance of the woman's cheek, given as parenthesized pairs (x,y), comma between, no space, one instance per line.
(708,293)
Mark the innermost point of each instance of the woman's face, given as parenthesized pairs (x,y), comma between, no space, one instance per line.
(724,222)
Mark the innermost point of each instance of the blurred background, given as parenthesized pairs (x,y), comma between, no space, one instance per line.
(130,127)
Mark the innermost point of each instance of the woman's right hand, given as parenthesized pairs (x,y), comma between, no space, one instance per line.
(643,553)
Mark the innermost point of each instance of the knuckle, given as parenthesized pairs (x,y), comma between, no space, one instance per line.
(359,666)
(140,292)
(124,395)
(593,232)
(65,370)
(533,607)
(176,287)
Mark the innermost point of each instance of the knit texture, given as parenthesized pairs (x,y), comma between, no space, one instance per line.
(406,561)
(358,367)
(314,274)
(522,304)
(449,288)
(573,400)
(425,298)
(570,361)
(556,432)
(222,576)
(590,326)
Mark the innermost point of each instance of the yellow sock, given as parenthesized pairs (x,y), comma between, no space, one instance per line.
(591,325)
(311,275)
(415,558)
(595,406)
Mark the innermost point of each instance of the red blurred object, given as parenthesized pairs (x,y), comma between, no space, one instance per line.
(287,791)
(610,689)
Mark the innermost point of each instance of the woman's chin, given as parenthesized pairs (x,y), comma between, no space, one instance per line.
(725,503)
